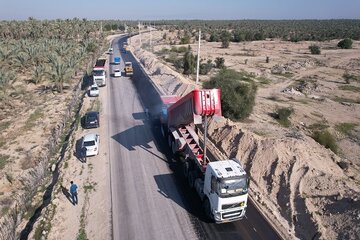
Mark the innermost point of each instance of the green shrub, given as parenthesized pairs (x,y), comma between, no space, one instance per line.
(238,96)
(350,88)
(179,63)
(220,62)
(314,49)
(3,160)
(350,77)
(282,116)
(185,39)
(189,62)
(225,39)
(318,126)
(326,139)
(205,68)
(345,43)
(345,128)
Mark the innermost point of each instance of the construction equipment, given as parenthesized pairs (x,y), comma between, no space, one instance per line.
(129,69)
(222,185)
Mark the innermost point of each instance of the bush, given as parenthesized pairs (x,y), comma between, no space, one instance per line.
(214,37)
(282,116)
(345,128)
(350,77)
(205,68)
(225,39)
(326,139)
(345,43)
(220,62)
(179,63)
(185,39)
(314,49)
(189,62)
(237,96)
(181,49)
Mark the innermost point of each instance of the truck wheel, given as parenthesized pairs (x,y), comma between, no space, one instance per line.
(191,179)
(173,147)
(162,130)
(170,141)
(186,167)
(207,209)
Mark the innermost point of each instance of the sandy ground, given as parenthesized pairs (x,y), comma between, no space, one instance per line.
(308,191)
(93,213)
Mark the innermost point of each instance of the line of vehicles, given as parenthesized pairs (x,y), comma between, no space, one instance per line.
(221,185)
(90,142)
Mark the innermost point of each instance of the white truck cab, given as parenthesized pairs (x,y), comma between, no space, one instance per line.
(226,190)
(99,76)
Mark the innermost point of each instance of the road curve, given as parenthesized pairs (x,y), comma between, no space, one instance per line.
(150,200)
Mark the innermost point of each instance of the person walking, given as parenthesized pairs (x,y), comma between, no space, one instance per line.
(73,192)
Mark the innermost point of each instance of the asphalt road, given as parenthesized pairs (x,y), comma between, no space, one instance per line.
(149,198)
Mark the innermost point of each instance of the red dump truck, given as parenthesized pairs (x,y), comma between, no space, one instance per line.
(222,185)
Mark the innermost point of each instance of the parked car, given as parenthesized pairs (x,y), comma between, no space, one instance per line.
(117,72)
(94,91)
(91,120)
(91,142)
(110,51)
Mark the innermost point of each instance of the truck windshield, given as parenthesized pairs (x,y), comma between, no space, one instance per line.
(232,187)
(99,73)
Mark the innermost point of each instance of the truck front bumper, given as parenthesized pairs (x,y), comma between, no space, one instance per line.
(229,216)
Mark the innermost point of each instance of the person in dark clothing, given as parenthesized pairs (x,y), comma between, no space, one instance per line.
(73,192)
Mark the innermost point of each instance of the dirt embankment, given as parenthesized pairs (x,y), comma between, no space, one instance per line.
(296,181)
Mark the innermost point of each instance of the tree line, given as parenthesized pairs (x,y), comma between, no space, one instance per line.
(46,52)
(252,30)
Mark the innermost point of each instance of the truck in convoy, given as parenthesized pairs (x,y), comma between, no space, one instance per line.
(125,47)
(129,69)
(99,73)
(117,60)
(222,185)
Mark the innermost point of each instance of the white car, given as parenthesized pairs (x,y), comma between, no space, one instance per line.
(94,91)
(91,142)
(110,51)
(117,73)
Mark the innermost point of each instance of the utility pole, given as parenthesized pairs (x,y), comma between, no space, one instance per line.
(140,34)
(150,39)
(198,60)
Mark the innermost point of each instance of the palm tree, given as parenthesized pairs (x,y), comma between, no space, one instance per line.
(38,74)
(60,73)
(6,78)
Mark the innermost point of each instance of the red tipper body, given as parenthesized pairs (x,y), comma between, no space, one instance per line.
(100,64)
(190,108)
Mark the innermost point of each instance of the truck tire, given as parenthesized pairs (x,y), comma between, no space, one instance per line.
(173,147)
(186,167)
(170,141)
(191,178)
(207,209)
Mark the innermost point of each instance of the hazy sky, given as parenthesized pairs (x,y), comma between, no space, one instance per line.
(180,9)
